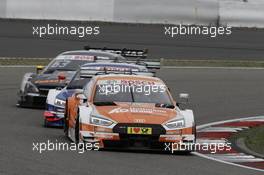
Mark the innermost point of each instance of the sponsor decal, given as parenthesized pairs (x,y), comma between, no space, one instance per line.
(138,82)
(83,57)
(137,110)
(111,68)
(128,82)
(139,120)
(139,130)
(47,81)
(76,57)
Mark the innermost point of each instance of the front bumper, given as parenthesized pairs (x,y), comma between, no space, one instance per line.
(32,100)
(120,139)
(54,116)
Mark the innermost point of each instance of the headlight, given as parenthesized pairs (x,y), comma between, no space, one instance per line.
(59,102)
(100,121)
(31,88)
(176,124)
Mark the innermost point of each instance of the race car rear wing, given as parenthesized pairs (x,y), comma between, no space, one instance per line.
(151,64)
(133,56)
(103,71)
(134,53)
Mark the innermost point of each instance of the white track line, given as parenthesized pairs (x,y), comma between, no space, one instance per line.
(209,141)
(225,162)
(236,158)
(256,118)
(222,129)
(200,127)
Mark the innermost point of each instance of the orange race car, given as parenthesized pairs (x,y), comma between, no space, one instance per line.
(127,111)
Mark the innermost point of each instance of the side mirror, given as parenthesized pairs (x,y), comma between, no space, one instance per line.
(81,97)
(183,99)
(39,68)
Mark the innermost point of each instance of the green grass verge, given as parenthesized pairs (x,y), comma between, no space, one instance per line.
(164,62)
(254,138)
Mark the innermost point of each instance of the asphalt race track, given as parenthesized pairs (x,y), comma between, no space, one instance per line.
(16,40)
(216,94)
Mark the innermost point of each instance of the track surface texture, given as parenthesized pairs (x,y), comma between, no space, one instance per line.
(16,40)
(215,95)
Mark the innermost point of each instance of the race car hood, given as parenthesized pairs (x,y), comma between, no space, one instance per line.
(51,80)
(137,113)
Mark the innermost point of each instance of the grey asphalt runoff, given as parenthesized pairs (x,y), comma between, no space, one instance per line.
(216,94)
(17,40)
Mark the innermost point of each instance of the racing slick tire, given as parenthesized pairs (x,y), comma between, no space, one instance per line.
(21,103)
(77,133)
(187,152)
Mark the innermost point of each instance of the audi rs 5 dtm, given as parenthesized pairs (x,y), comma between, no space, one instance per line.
(127,111)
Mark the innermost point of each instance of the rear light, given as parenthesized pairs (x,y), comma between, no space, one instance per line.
(48,114)
(61,77)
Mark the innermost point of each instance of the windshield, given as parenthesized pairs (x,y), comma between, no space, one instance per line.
(137,94)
